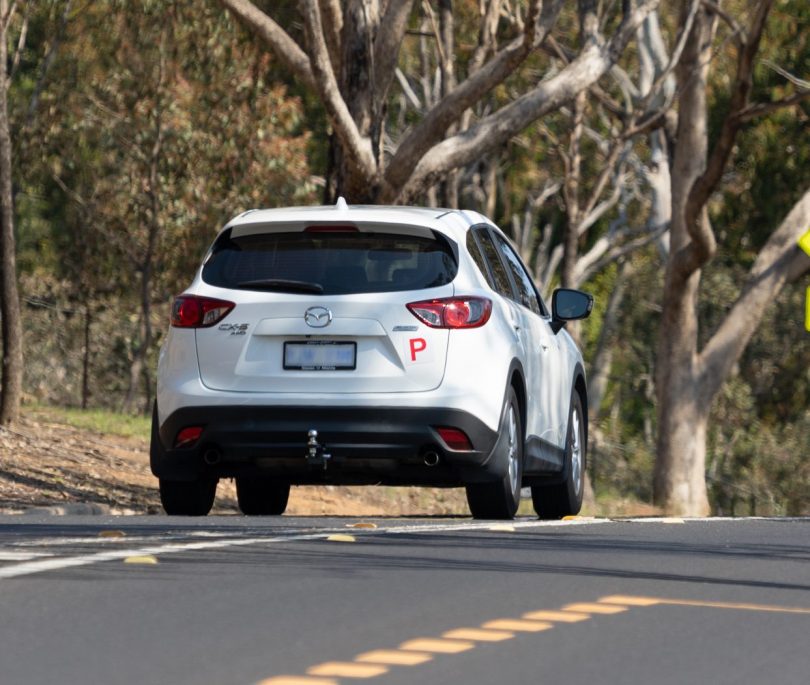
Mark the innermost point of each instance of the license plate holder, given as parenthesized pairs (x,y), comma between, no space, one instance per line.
(320,355)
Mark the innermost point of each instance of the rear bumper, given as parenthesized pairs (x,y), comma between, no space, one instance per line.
(385,445)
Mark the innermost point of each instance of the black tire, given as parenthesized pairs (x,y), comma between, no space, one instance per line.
(188,498)
(500,499)
(565,498)
(261,496)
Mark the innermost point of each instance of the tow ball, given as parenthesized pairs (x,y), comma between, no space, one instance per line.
(316,453)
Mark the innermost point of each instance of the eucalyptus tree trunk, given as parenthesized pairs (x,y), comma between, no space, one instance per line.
(688,377)
(11,390)
(679,483)
(356,68)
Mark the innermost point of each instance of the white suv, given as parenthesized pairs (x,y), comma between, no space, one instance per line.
(369,345)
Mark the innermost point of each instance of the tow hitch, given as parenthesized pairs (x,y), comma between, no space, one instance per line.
(316,453)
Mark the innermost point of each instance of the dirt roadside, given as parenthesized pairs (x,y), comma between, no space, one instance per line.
(45,463)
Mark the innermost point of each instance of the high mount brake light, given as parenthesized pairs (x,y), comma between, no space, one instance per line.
(453,312)
(192,311)
(331,228)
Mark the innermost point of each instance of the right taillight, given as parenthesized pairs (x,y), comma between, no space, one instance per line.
(453,312)
(192,311)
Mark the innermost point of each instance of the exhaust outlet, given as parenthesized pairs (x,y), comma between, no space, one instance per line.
(212,456)
(431,458)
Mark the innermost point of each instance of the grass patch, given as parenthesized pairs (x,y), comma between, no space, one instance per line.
(97,420)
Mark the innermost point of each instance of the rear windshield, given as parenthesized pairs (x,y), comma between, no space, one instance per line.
(330,263)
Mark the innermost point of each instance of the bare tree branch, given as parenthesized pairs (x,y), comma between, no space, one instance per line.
(358,147)
(387,43)
(432,128)
(596,213)
(770,272)
(608,168)
(333,24)
(761,108)
(15,62)
(707,182)
(486,35)
(693,242)
(608,250)
(284,47)
(675,56)
(801,84)
(332,13)
(5,20)
(496,129)
(737,31)
(410,94)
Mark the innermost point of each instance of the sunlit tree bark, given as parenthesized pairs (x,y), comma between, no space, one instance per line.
(11,390)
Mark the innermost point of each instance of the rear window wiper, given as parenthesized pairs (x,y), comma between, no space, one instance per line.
(282,285)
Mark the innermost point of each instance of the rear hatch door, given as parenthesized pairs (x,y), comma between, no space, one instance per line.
(324,310)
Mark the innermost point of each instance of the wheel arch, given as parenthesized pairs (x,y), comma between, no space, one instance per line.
(517,381)
(581,388)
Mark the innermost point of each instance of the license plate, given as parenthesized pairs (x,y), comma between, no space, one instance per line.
(321,355)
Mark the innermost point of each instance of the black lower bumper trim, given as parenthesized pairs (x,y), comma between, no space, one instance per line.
(386,445)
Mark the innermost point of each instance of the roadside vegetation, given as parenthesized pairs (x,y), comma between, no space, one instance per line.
(102,421)
(671,181)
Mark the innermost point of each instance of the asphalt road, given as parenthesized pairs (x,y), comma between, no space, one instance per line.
(239,601)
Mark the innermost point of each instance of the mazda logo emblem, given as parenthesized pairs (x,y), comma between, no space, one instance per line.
(318,317)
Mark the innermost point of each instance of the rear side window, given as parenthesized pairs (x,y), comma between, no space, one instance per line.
(502,284)
(478,258)
(528,295)
(330,263)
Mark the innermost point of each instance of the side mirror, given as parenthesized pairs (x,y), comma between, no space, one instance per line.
(568,305)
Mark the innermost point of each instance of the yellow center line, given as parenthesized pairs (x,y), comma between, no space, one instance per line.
(594,608)
(478,635)
(732,605)
(630,601)
(348,669)
(653,601)
(296,680)
(393,657)
(421,650)
(558,616)
(518,625)
(432,644)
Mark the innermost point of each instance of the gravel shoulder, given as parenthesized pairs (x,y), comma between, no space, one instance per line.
(46,464)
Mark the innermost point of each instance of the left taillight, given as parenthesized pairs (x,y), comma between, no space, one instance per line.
(192,311)
(453,312)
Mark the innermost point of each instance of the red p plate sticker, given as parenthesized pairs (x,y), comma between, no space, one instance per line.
(416,345)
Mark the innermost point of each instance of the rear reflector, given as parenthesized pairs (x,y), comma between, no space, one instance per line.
(453,312)
(192,311)
(454,438)
(188,436)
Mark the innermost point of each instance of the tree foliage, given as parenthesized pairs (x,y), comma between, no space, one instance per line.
(155,127)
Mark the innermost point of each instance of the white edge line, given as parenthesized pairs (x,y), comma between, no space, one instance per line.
(41,566)
(44,565)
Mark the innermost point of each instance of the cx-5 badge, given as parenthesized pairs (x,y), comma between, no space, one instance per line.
(318,317)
